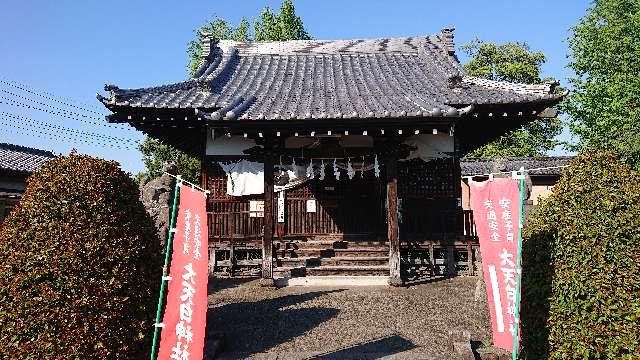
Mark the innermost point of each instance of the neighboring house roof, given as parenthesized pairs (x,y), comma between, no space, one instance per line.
(317,79)
(479,166)
(22,158)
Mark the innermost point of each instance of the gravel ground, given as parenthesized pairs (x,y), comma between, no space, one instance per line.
(343,323)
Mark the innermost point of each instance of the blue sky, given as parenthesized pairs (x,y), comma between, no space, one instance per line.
(71,48)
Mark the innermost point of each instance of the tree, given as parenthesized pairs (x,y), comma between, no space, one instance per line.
(285,25)
(581,265)
(220,29)
(155,153)
(513,62)
(269,26)
(604,104)
(80,266)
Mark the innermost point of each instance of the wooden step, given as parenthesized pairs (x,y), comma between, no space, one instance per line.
(368,245)
(360,252)
(311,252)
(289,271)
(355,261)
(296,261)
(319,244)
(344,237)
(348,270)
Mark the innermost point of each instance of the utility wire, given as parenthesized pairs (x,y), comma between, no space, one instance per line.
(48,105)
(26,120)
(44,94)
(46,135)
(12,102)
(56,135)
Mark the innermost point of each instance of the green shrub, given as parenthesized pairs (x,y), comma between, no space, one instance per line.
(79,266)
(581,265)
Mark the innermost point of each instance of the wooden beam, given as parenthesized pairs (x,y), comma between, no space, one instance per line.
(203,159)
(267,238)
(392,222)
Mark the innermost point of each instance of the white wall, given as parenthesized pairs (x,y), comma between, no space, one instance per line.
(223,145)
(430,146)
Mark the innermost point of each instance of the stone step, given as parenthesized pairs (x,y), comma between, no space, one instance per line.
(348,270)
(355,261)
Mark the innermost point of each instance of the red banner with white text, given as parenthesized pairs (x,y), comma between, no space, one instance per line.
(186,311)
(496,212)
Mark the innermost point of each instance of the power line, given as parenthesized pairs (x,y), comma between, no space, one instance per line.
(55,135)
(13,102)
(45,104)
(26,120)
(37,133)
(44,94)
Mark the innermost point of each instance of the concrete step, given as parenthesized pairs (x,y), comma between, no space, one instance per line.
(348,270)
(355,261)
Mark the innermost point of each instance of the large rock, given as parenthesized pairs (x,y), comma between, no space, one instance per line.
(157,197)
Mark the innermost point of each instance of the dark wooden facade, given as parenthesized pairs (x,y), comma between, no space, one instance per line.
(434,236)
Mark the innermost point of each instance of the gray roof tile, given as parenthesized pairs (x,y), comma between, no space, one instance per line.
(21,158)
(478,166)
(396,77)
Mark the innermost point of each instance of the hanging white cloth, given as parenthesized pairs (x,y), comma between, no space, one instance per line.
(244,178)
(247,178)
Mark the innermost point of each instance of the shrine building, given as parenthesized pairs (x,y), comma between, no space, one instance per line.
(337,157)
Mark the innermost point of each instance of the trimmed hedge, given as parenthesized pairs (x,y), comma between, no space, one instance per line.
(581,265)
(80,266)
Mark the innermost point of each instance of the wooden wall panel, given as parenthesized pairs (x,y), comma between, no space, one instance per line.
(428,193)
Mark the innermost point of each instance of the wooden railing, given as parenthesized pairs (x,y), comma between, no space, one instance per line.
(231,220)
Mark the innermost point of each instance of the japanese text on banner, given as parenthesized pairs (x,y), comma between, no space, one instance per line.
(185,314)
(496,210)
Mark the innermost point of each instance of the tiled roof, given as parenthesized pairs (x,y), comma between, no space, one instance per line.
(302,79)
(21,158)
(478,166)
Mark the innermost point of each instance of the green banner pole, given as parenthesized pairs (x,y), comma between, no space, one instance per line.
(518,270)
(165,268)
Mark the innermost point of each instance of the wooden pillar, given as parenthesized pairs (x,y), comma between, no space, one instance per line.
(267,239)
(392,222)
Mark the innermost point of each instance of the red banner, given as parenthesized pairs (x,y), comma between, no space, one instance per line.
(496,212)
(186,312)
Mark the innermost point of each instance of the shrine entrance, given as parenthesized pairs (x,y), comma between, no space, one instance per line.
(345,207)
